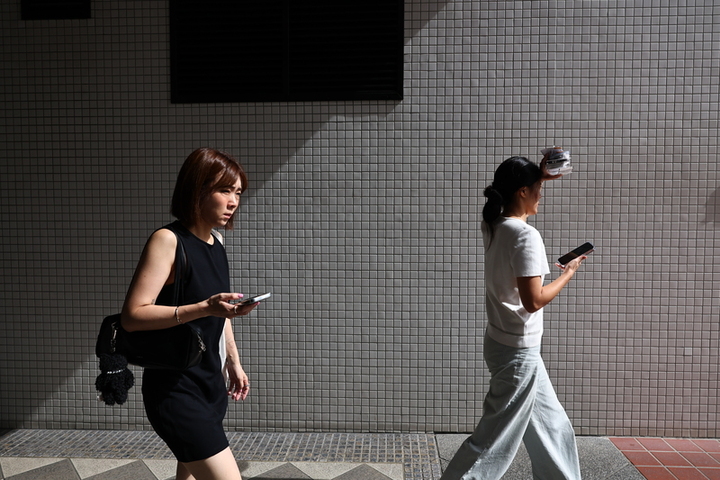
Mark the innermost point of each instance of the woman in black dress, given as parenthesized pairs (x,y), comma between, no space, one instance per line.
(187,408)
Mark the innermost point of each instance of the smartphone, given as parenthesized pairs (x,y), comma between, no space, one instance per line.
(255,299)
(583,249)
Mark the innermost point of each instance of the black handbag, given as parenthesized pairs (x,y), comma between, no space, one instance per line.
(176,348)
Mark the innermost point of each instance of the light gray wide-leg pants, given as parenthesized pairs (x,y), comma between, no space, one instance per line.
(521,406)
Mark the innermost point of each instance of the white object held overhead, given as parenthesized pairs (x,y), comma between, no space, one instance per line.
(558,161)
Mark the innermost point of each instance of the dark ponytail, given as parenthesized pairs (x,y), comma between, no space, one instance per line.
(512,175)
(493,207)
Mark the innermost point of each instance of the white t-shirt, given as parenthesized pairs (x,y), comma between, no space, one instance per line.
(516,250)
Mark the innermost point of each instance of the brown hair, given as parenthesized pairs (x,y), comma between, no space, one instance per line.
(205,171)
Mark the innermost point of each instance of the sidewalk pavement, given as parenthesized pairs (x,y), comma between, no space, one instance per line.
(124,455)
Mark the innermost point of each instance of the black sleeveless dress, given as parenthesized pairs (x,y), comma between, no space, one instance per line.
(186,409)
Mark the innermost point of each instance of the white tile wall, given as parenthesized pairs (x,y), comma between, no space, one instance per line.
(362,217)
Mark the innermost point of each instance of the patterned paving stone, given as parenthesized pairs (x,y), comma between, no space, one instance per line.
(324,470)
(120,455)
(88,467)
(133,471)
(162,469)
(363,472)
(253,469)
(12,466)
(287,471)
(61,470)
(112,469)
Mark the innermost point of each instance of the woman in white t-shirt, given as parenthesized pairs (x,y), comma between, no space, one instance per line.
(521,404)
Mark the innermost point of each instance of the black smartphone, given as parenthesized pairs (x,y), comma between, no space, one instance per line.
(254,299)
(583,249)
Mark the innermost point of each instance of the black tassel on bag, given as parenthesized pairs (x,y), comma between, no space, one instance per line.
(115,379)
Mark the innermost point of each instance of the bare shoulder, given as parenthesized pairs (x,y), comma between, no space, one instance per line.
(162,242)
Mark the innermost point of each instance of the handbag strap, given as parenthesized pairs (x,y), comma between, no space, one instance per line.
(180,266)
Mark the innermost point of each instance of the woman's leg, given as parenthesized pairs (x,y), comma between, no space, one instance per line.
(182,473)
(221,466)
(550,438)
(490,450)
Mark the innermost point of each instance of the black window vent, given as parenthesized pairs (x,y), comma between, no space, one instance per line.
(54,9)
(287,50)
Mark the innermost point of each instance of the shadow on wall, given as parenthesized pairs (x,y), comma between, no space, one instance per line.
(269,129)
(64,254)
(712,210)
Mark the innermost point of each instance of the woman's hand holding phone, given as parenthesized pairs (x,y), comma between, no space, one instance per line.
(582,252)
(243,307)
(573,264)
(255,299)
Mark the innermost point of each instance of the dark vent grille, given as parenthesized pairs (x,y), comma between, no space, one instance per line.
(54,9)
(295,50)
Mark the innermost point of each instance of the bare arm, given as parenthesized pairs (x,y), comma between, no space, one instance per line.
(239,386)
(154,270)
(534,295)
